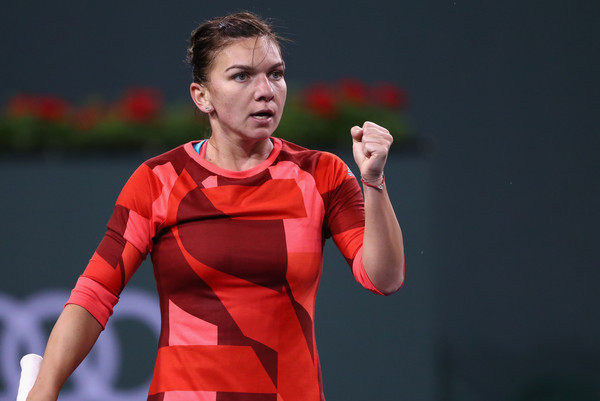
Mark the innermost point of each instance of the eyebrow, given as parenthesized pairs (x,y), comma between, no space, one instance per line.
(250,68)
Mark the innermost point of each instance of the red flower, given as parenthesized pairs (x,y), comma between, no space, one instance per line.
(88,116)
(320,99)
(353,91)
(21,105)
(52,108)
(390,95)
(141,104)
(47,108)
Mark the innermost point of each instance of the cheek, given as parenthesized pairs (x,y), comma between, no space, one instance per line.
(225,100)
(282,90)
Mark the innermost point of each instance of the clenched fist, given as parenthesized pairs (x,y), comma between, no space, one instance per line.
(370,146)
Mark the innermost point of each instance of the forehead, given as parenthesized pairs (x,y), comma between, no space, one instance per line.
(251,52)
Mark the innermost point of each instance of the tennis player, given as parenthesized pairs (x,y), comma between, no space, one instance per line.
(235,226)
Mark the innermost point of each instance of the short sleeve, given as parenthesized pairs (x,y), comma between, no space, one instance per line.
(127,241)
(344,213)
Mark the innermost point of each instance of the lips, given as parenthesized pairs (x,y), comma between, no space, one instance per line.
(263,114)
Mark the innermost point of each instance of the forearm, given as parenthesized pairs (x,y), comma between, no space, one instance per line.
(383,248)
(72,338)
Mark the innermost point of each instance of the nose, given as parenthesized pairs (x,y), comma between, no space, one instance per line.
(264,88)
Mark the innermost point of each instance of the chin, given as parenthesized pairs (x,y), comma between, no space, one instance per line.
(262,133)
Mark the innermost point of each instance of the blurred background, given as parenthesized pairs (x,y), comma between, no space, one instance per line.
(498,200)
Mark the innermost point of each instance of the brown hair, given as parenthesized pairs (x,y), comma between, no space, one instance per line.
(213,35)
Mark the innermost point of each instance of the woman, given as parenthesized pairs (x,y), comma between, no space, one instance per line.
(235,226)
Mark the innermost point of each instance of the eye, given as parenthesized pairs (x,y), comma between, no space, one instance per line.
(241,76)
(276,75)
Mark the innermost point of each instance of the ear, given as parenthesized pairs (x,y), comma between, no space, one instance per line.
(201,97)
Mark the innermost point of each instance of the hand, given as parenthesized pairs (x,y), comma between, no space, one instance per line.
(370,146)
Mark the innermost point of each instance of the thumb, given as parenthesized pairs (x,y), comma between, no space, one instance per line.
(357,133)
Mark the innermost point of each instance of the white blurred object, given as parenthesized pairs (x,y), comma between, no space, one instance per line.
(30,366)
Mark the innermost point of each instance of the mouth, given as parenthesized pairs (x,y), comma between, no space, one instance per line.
(263,114)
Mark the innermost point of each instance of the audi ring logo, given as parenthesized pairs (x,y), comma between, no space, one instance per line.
(22,331)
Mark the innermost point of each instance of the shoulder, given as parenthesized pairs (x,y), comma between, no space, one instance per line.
(327,168)
(175,156)
(158,170)
(302,155)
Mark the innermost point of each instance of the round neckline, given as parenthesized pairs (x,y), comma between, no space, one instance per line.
(201,159)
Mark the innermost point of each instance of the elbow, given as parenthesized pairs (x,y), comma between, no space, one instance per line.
(395,280)
(392,284)
(392,288)
(384,277)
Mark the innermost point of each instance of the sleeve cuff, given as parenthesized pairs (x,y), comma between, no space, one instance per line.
(358,270)
(93,297)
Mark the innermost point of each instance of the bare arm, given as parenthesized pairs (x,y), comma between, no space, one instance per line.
(72,338)
(383,248)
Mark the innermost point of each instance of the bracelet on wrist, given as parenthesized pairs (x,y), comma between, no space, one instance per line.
(369,183)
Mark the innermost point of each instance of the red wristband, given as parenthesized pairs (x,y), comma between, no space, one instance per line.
(379,187)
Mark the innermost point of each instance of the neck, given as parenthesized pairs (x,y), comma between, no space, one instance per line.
(237,156)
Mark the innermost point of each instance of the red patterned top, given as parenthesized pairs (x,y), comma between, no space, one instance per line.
(237,258)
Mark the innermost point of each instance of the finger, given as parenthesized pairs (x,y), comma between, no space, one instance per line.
(377,135)
(357,133)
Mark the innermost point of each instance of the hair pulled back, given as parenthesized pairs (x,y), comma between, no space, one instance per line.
(213,35)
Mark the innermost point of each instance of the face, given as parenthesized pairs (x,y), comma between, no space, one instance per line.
(245,91)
